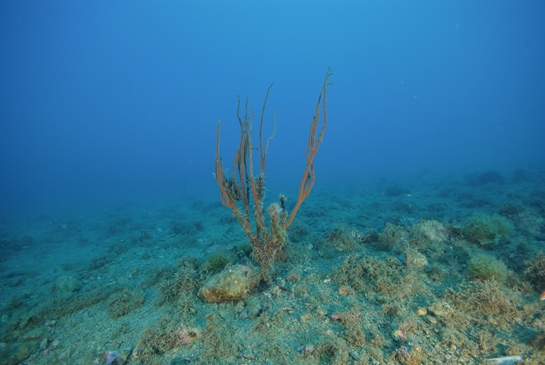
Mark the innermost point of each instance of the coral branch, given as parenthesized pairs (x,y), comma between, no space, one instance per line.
(307,182)
(266,242)
(264,152)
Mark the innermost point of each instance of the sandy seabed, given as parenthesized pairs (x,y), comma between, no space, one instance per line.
(425,269)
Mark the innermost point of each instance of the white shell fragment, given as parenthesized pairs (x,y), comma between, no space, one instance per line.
(509,360)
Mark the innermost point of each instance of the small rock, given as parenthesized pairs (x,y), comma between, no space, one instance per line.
(416,259)
(66,286)
(43,344)
(275,290)
(346,290)
(294,276)
(33,335)
(354,355)
(117,356)
(440,309)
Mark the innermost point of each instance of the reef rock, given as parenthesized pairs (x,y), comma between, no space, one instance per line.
(233,284)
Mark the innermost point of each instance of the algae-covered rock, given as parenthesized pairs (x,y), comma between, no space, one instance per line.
(487,267)
(487,230)
(430,231)
(66,286)
(233,284)
(416,259)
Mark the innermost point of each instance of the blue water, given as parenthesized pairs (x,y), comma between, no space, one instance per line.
(106,102)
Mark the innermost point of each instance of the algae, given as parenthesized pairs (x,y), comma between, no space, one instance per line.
(487,267)
(487,230)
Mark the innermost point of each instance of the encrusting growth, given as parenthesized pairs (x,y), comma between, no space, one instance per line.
(265,241)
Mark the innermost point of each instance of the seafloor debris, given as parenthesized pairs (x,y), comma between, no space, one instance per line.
(117,356)
(508,360)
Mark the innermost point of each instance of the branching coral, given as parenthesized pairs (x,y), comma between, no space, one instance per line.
(266,242)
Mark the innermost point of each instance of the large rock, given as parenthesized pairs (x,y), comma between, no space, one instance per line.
(233,284)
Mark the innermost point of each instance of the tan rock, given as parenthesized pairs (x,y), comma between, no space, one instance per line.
(233,284)
(346,290)
(416,259)
(440,309)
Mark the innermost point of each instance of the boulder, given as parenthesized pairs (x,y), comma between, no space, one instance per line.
(233,284)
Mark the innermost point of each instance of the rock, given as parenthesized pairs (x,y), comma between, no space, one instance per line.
(117,356)
(346,290)
(294,276)
(416,259)
(233,284)
(66,286)
(44,343)
(33,335)
(440,309)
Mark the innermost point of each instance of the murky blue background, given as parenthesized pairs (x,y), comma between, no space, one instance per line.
(104,102)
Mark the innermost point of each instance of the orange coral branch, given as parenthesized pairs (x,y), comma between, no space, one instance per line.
(226,198)
(264,152)
(307,182)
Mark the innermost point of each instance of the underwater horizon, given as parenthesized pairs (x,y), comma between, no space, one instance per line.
(408,230)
